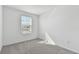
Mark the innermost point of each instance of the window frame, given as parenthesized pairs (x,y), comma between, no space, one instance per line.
(27,32)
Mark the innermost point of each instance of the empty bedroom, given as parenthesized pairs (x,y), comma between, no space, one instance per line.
(39,29)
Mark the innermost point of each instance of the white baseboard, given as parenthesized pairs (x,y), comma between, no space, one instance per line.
(69,49)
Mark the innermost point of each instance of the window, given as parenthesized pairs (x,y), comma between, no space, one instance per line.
(26,24)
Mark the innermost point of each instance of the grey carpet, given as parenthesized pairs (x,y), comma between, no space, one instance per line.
(33,47)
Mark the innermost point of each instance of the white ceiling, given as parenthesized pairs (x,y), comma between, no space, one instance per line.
(36,9)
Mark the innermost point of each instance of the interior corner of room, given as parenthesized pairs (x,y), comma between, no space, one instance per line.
(53,26)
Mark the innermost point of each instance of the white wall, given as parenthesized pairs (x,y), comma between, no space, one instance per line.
(12,33)
(0,27)
(62,24)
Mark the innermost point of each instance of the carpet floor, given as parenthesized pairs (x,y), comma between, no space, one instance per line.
(33,47)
